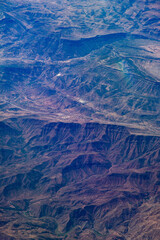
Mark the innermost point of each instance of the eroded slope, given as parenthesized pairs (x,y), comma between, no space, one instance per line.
(68,181)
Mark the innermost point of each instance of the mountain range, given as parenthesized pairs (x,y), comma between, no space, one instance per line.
(80,120)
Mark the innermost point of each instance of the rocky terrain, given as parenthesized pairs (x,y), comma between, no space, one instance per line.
(78,181)
(80,120)
(95,61)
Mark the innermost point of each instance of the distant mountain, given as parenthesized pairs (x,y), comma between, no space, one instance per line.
(94,61)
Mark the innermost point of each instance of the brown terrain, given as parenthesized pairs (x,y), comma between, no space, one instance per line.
(80,120)
(78,181)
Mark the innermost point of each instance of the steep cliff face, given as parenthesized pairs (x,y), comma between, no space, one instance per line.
(75,181)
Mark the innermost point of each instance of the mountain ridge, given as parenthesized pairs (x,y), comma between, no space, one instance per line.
(79,178)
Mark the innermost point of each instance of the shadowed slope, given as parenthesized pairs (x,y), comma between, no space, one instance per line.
(77,180)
